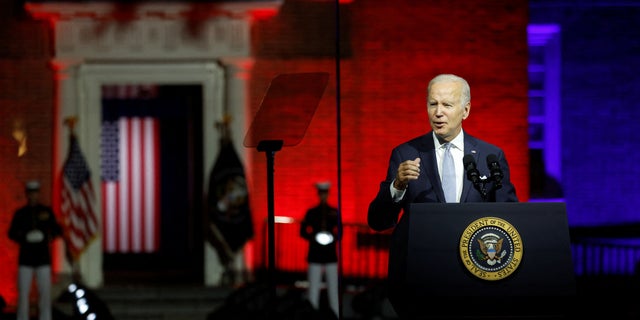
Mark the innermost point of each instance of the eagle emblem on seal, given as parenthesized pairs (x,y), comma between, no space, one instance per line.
(491,248)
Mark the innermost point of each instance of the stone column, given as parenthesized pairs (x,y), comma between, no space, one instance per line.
(236,91)
(66,104)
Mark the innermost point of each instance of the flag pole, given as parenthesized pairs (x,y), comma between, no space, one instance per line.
(228,212)
(71,122)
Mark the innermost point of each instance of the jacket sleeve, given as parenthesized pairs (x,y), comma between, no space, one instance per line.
(55,229)
(383,212)
(305,227)
(17,229)
(508,191)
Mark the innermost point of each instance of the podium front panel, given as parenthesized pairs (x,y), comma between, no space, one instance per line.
(434,263)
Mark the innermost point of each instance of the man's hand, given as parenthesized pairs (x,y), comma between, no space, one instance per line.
(407,171)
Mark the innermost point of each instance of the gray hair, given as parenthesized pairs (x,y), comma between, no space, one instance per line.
(447,77)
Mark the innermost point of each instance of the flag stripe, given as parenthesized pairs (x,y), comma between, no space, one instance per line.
(151,213)
(131,196)
(133,188)
(125,205)
(109,229)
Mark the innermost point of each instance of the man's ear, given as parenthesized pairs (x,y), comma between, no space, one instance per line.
(467,110)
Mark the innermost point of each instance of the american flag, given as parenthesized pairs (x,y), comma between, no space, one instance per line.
(78,200)
(130,185)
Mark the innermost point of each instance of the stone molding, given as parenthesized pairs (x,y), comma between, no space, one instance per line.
(151,31)
(98,43)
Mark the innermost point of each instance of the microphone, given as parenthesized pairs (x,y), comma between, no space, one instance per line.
(494,168)
(472,171)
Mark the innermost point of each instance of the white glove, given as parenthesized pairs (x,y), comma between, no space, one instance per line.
(324,238)
(34,236)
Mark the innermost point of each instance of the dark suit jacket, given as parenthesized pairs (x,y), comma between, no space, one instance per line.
(384,214)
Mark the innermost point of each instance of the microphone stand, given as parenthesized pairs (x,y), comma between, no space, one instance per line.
(497,184)
(480,183)
(481,186)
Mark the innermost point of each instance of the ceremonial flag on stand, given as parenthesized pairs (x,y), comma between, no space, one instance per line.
(78,201)
(230,224)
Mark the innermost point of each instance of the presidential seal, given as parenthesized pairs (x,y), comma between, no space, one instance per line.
(491,248)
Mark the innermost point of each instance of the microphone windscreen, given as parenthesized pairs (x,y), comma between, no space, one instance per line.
(468,162)
(492,158)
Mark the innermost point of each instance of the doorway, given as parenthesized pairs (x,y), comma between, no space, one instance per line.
(175,252)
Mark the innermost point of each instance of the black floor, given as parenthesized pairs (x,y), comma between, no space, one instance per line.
(607,297)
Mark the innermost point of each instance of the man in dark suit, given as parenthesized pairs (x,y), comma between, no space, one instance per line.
(415,173)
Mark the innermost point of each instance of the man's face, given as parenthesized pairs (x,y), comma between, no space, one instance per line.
(33,196)
(445,110)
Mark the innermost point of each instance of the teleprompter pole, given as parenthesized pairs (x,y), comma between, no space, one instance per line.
(270,147)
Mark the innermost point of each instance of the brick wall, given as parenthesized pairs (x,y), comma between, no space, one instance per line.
(600,63)
(390,49)
(26,102)
(389,52)
(395,47)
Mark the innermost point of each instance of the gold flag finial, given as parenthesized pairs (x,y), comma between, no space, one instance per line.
(19,133)
(225,122)
(71,122)
(223,127)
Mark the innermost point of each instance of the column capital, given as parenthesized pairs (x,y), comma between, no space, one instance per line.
(238,67)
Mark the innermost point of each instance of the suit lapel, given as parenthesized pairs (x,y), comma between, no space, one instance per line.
(470,147)
(430,165)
